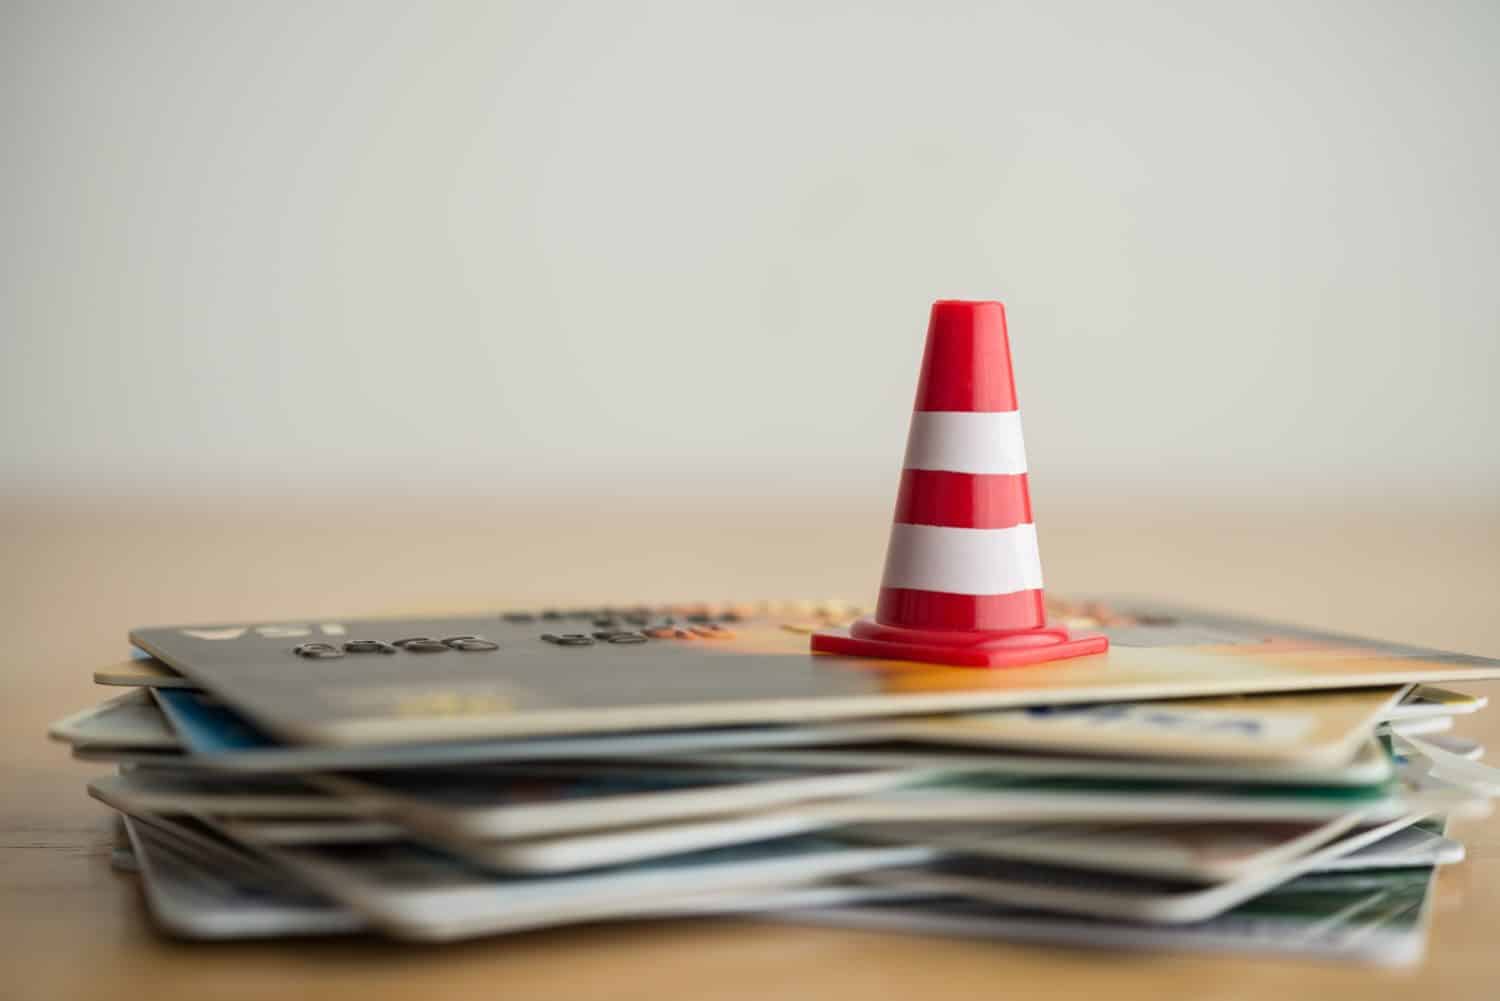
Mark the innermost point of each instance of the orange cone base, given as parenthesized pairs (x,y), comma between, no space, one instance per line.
(959,648)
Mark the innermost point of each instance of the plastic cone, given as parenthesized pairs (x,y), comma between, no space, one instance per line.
(963,575)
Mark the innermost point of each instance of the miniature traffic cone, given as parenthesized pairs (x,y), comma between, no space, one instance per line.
(963,576)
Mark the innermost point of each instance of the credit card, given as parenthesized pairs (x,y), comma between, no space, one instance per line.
(1369,765)
(496,802)
(193,897)
(140,671)
(219,739)
(1329,726)
(1377,918)
(1210,852)
(201,900)
(398,681)
(413,893)
(1312,728)
(1115,896)
(1425,701)
(129,721)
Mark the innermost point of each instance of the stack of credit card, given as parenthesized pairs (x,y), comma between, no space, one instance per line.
(1210,783)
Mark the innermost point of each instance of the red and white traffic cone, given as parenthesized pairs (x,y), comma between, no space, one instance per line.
(963,576)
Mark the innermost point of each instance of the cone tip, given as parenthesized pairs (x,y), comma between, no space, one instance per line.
(967,306)
(966,365)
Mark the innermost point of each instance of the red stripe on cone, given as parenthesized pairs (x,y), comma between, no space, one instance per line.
(966,365)
(962,500)
(901,606)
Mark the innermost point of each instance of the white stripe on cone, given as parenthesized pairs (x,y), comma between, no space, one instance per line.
(963,560)
(965,442)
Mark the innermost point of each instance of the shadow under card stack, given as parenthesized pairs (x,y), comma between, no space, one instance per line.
(970,756)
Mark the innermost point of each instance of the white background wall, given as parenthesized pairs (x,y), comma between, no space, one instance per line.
(1248,249)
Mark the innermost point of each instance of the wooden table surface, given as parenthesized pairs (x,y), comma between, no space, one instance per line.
(77,575)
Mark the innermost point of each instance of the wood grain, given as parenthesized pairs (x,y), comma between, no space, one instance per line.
(78,575)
